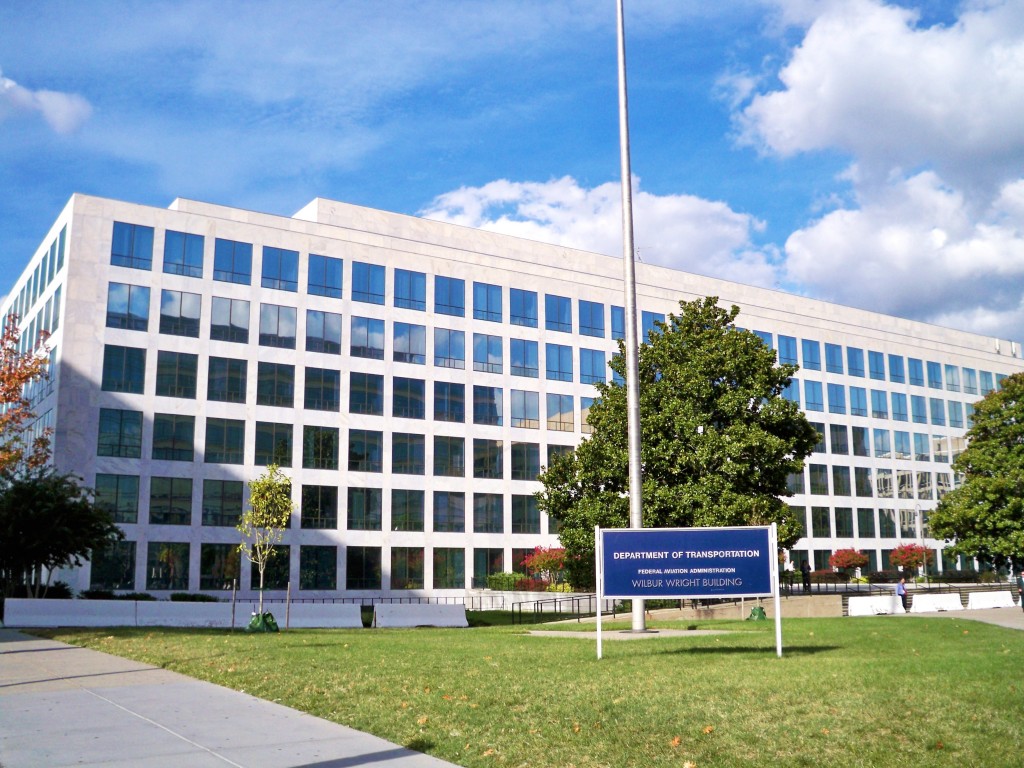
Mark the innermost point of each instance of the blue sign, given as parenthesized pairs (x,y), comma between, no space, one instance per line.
(687,562)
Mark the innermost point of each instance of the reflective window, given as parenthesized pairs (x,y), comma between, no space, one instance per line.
(915,370)
(487,353)
(363,565)
(765,337)
(952,378)
(179,313)
(273,444)
(318,567)
(987,384)
(366,393)
(176,374)
(934,376)
(118,495)
(322,389)
(367,338)
(275,384)
(225,441)
(232,262)
(277,326)
(879,404)
(127,307)
(323,332)
(839,439)
(811,354)
(813,400)
(791,391)
(410,290)
(525,409)
(876,365)
(901,445)
(487,302)
(561,415)
(918,409)
(408,455)
(592,366)
(488,513)
(487,405)
(488,459)
(862,484)
(883,445)
(855,361)
(523,358)
(364,510)
(956,414)
(408,398)
(970,381)
(896,369)
(222,502)
(120,433)
(819,479)
(841,486)
(522,307)
(226,380)
(132,246)
(183,254)
(525,458)
(449,296)
(649,323)
(836,398)
(591,318)
(525,514)
(787,350)
(449,348)
(449,514)
(858,401)
(833,358)
(558,359)
(449,401)
(407,568)
(557,313)
(899,406)
(938,411)
(861,447)
(324,276)
(367,283)
(449,456)
(922,447)
(820,429)
(618,323)
(124,369)
(170,503)
(173,437)
(280,269)
(585,405)
(229,320)
(410,344)
(365,450)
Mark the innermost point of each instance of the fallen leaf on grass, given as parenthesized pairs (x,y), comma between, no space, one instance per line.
(689,764)
(709,728)
(675,742)
(422,720)
(825,731)
(488,753)
(575,727)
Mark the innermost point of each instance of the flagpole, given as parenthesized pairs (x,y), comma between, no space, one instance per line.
(636,519)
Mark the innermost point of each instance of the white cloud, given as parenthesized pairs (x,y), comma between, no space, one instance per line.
(916,249)
(63,112)
(678,231)
(869,80)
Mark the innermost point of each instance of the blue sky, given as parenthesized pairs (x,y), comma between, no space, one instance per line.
(857,151)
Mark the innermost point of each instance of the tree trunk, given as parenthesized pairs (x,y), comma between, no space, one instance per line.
(262,567)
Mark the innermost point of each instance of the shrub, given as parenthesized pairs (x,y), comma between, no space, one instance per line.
(848,559)
(531,585)
(859,580)
(59,590)
(986,577)
(97,594)
(563,587)
(136,596)
(504,582)
(883,577)
(193,597)
(952,577)
(828,577)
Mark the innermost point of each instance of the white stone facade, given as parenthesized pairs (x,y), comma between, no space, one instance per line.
(72,286)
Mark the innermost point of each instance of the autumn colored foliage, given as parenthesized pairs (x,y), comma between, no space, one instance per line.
(18,370)
(848,559)
(911,556)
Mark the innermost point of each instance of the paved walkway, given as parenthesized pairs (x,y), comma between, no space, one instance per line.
(62,706)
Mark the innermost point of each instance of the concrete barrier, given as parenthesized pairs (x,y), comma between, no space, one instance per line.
(874,605)
(322,616)
(30,612)
(947,601)
(977,600)
(419,615)
(183,614)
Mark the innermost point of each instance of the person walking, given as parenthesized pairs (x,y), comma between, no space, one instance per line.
(805,570)
(1020,588)
(901,590)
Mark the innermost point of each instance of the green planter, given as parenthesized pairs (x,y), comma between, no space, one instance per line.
(262,622)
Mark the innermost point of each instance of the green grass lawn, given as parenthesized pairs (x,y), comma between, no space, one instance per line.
(884,691)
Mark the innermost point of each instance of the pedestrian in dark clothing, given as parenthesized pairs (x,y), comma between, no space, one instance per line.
(1020,588)
(805,569)
(901,590)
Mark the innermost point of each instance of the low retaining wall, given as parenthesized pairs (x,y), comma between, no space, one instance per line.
(419,615)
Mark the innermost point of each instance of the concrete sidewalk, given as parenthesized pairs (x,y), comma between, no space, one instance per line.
(62,706)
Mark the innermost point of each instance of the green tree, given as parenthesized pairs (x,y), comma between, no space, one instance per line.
(984,517)
(717,439)
(47,521)
(263,523)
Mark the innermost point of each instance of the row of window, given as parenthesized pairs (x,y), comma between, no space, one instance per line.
(826,523)
(120,435)
(886,444)
(922,410)
(168,566)
(900,370)
(48,267)
(132,246)
(170,503)
(887,484)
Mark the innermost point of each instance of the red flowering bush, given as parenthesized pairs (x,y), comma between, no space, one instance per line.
(911,556)
(545,564)
(848,559)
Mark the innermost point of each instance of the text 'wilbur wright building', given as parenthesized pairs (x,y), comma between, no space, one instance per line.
(413,377)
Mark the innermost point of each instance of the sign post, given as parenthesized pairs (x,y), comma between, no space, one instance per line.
(688,563)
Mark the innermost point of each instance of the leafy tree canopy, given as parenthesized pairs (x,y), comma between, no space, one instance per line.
(47,521)
(17,370)
(262,525)
(985,516)
(717,439)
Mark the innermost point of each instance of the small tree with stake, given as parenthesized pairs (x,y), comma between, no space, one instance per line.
(262,525)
